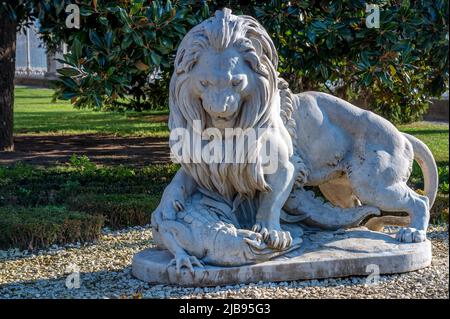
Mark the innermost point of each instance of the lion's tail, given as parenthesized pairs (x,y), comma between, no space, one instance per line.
(425,159)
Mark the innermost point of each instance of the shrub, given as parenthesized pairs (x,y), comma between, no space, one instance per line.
(443,179)
(29,186)
(395,69)
(39,227)
(119,210)
(439,211)
(119,46)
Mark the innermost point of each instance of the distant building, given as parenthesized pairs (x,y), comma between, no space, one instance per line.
(33,64)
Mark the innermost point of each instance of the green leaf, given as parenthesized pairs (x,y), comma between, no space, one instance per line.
(95,39)
(167,43)
(136,7)
(205,10)
(311,36)
(76,49)
(137,39)
(156,58)
(168,6)
(68,95)
(86,11)
(179,28)
(191,21)
(68,82)
(108,88)
(367,79)
(329,42)
(150,35)
(126,42)
(124,17)
(68,71)
(103,20)
(109,39)
(393,70)
(323,71)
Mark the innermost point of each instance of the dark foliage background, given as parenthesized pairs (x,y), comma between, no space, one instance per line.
(323,45)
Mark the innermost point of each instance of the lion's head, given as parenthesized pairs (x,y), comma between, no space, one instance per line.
(225,74)
(226,77)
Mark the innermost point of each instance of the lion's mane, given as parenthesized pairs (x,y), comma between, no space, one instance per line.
(220,32)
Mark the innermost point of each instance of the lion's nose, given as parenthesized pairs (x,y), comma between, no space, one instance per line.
(222,104)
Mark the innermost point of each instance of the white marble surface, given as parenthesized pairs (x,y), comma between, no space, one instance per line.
(229,214)
(324,254)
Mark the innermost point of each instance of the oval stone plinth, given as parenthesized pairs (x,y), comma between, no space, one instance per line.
(322,255)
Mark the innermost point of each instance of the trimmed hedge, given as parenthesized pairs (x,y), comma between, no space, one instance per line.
(39,227)
(72,200)
(25,185)
(44,206)
(439,211)
(119,210)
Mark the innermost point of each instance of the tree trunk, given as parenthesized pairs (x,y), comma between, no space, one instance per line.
(7,70)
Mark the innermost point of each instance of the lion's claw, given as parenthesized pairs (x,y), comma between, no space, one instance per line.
(280,239)
(178,205)
(274,237)
(256,228)
(185,261)
(265,234)
(411,235)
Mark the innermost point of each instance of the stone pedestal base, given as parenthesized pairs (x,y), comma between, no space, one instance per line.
(322,255)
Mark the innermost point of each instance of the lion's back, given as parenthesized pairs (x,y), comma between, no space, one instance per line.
(346,121)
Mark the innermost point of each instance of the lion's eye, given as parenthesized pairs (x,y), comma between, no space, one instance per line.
(204,83)
(236,82)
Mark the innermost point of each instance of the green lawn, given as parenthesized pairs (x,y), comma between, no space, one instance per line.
(434,135)
(35,114)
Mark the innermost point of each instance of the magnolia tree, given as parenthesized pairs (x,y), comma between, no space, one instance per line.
(123,51)
(393,54)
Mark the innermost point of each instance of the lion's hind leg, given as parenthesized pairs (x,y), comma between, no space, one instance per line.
(399,198)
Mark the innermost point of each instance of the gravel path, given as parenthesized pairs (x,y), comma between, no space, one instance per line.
(105,272)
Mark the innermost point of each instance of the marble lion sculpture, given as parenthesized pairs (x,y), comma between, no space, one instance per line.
(226,77)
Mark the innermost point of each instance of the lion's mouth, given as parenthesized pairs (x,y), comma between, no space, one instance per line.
(222,119)
(221,122)
(225,118)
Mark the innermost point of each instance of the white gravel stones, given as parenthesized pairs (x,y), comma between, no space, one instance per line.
(105,272)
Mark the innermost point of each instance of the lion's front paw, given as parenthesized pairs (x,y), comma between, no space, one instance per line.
(273,236)
(411,235)
(184,260)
